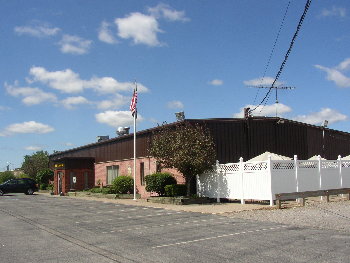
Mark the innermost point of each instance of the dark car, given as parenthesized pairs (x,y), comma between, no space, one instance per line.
(21,185)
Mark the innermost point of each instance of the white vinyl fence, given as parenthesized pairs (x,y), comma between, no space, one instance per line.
(261,180)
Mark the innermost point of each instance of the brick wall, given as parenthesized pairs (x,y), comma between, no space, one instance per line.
(126,168)
(80,183)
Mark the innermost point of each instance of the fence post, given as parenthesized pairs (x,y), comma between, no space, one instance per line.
(241,171)
(269,172)
(320,172)
(218,171)
(340,171)
(296,172)
(199,190)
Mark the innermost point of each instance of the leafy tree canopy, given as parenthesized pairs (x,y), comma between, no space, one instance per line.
(35,163)
(5,176)
(44,176)
(188,147)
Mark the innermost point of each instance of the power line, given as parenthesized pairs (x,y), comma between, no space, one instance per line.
(306,8)
(273,48)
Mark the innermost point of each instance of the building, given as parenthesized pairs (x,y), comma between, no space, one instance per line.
(99,163)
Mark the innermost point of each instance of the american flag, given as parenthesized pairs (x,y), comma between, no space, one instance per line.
(133,103)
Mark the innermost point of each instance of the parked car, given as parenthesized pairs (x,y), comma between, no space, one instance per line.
(21,185)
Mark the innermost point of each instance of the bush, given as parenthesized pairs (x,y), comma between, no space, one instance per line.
(43,186)
(123,184)
(107,190)
(96,190)
(156,182)
(104,190)
(5,176)
(22,175)
(175,190)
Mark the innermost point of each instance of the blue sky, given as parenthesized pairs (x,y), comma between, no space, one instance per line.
(68,66)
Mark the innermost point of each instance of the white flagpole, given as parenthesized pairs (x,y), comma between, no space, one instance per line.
(135,147)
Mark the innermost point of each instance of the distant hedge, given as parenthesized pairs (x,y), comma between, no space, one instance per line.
(5,176)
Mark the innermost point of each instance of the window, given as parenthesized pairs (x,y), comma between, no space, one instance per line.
(142,173)
(112,173)
(21,181)
(12,182)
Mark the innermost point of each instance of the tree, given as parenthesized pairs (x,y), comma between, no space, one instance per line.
(44,176)
(35,163)
(5,176)
(187,147)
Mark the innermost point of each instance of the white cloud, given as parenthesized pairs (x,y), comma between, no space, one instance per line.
(317,118)
(33,148)
(110,85)
(37,31)
(68,81)
(74,45)
(334,11)
(344,65)
(31,96)
(175,104)
(105,34)
(267,110)
(165,11)
(68,144)
(142,29)
(70,102)
(26,127)
(116,118)
(266,81)
(336,74)
(216,82)
(114,103)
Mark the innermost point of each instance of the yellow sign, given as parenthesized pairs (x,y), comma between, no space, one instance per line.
(59,165)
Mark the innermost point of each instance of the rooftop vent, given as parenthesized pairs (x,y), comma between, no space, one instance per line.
(325,124)
(123,131)
(102,138)
(180,116)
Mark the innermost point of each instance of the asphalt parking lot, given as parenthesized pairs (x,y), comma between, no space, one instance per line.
(41,228)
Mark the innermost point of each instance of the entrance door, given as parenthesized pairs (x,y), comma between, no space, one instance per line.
(86,180)
(60,175)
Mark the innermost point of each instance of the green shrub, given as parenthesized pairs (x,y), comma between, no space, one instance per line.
(156,182)
(43,186)
(49,187)
(96,190)
(108,190)
(175,190)
(104,190)
(123,185)
(5,176)
(22,175)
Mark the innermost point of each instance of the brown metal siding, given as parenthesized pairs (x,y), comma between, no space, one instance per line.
(234,138)
(118,149)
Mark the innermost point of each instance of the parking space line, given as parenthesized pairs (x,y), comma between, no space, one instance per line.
(163,225)
(219,236)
